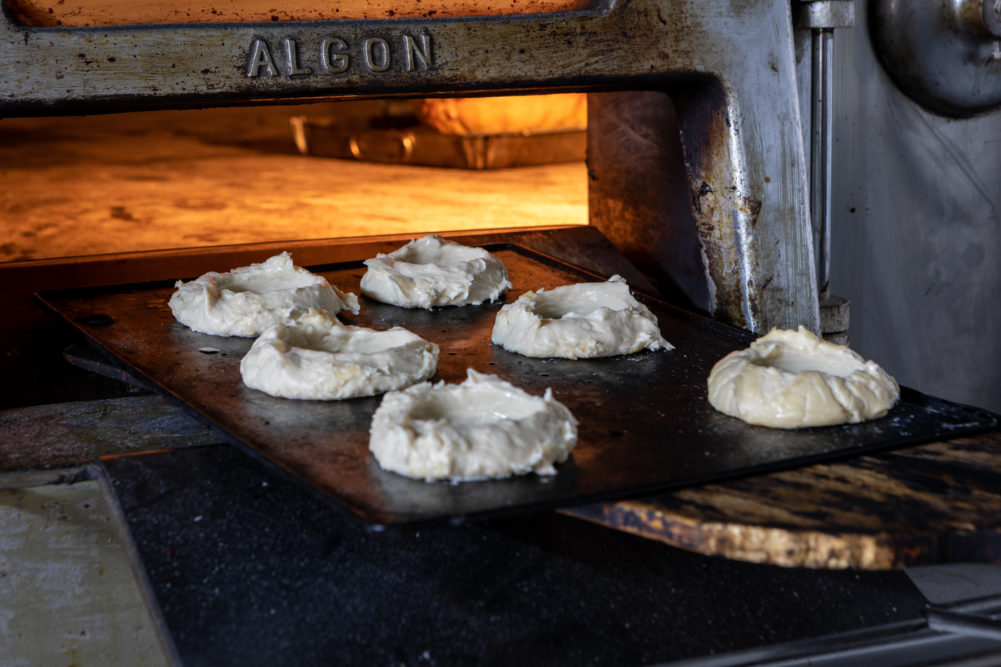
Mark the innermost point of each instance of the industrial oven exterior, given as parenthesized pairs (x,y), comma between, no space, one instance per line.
(709,167)
(903,207)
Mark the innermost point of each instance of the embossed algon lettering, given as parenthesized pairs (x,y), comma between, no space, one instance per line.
(333,55)
(413,55)
(292,59)
(337,56)
(260,56)
(375,54)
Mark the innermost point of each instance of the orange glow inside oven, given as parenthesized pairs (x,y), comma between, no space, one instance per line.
(70,13)
(158,180)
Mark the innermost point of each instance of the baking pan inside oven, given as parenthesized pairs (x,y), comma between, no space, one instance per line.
(645,423)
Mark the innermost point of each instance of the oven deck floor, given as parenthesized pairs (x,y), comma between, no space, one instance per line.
(189,179)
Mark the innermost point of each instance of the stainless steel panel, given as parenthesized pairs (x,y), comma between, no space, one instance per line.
(916,241)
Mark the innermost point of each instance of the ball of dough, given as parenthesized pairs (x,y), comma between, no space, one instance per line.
(250,299)
(483,428)
(793,379)
(580,321)
(317,357)
(431,271)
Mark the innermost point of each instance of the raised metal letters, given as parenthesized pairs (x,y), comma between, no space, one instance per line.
(375,54)
(412,54)
(334,55)
(292,59)
(260,56)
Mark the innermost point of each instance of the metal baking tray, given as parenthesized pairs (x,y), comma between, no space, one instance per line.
(645,423)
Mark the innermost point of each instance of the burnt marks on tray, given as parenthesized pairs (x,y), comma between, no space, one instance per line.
(95,320)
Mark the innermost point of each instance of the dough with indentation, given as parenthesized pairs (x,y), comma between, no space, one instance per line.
(579,321)
(432,271)
(483,428)
(317,357)
(793,379)
(250,299)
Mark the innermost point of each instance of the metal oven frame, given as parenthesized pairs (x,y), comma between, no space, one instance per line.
(729,68)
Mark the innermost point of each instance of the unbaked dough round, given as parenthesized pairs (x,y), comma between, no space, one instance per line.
(579,321)
(317,357)
(793,379)
(250,299)
(483,428)
(431,271)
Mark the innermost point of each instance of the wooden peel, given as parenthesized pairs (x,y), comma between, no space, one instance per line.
(933,503)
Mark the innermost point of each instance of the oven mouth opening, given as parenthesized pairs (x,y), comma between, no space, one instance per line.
(180,180)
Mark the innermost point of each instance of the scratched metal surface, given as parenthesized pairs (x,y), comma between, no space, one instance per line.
(645,424)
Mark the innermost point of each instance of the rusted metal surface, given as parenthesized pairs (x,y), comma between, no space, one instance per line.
(644,421)
(934,503)
(638,191)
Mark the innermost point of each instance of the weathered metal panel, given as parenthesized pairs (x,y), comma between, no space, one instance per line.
(730,67)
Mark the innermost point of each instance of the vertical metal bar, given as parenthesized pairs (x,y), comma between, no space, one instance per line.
(821,149)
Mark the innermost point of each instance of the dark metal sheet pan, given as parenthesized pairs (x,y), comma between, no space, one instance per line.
(645,424)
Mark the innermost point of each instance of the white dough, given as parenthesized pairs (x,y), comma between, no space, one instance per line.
(580,321)
(250,299)
(431,271)
(793,379)
(317,357)
(483,428)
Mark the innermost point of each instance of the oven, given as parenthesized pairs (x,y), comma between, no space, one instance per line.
(755,164)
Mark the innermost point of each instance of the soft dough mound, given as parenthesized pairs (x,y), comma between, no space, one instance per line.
(483,428)
(317,357)
(250,299)
(579,321)
(793,379)
(431,271)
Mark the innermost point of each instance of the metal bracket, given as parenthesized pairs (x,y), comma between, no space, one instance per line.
(970,625)
(822,17)
(824,14)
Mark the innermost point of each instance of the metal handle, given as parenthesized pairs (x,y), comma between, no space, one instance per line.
(374,147)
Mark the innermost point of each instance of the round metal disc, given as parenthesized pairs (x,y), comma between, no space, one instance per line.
(945,54)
